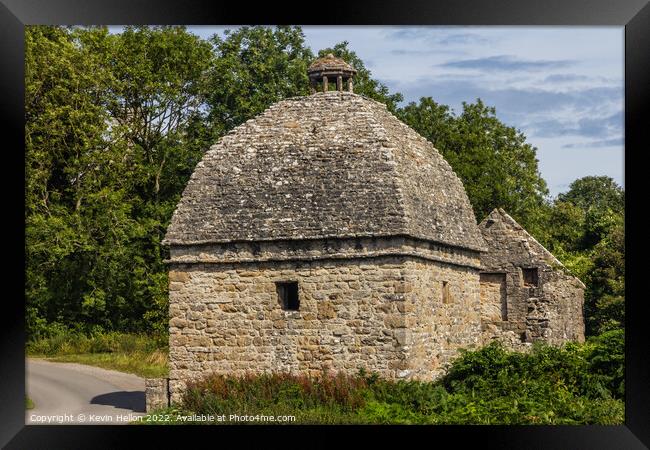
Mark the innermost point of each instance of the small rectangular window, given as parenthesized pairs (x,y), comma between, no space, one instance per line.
(531,278)
(288,295)
(446,295)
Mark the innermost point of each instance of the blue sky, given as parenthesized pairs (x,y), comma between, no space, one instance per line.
(561,86)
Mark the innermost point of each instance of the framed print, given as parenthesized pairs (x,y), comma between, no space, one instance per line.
(378,218)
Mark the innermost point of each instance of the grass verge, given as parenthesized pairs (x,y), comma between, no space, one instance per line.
(146,365)
(142,355)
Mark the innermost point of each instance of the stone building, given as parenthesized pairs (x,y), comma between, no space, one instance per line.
(325,234)
(526,293)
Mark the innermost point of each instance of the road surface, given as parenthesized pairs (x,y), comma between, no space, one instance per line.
(69,393)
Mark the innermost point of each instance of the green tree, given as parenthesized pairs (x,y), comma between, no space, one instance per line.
(252,68)
(595,192)
(159,75)
(605,297)
(566,226)
(112,138)
(494,161)
(602,201)
(65,123)
(587,233)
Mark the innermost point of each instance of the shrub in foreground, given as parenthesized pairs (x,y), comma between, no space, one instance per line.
(572,384)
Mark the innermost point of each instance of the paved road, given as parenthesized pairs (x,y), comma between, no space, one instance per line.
(68,393)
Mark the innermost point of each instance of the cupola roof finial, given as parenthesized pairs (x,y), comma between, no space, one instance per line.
(330,68)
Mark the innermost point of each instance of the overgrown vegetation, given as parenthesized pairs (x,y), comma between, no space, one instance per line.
(573,384)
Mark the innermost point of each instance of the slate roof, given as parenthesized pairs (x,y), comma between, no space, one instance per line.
(329,165)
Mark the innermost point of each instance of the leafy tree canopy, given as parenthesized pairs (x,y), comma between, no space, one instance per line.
(252,68)
(595,192)
(497,166)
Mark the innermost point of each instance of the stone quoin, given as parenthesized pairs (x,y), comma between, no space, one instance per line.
(325,234)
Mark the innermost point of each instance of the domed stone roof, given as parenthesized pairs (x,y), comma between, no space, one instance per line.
(329,165)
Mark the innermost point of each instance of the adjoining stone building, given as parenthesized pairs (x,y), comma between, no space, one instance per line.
(527,295)
(325,234)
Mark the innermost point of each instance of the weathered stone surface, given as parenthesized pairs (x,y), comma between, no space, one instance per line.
(156,393)
(320,249)
(349,169)
(439,328)
(181,277)
(332,330)
(519,313)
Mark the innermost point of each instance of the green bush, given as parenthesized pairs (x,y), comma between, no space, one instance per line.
(572,384)
(607,360)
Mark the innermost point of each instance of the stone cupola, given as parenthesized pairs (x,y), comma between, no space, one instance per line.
(330,69)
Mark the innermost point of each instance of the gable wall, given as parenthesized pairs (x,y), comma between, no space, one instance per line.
(551,312)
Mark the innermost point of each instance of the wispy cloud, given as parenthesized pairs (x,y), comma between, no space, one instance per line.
(588,80)
(463,38)
(565,77)
(425,52)
(506,63)
(614,142)
(596,127)
(516,104)
(440,36)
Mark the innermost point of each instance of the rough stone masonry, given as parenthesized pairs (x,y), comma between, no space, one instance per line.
(326,235)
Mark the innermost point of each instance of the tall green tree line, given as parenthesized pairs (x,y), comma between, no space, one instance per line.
(115,124)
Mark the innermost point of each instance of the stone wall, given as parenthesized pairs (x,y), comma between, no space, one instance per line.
(494,308)
(440,326)
(556,315)
(382,314)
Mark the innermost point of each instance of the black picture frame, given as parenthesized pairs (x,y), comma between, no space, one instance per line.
(634,15)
